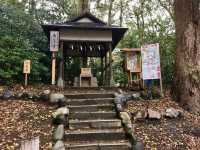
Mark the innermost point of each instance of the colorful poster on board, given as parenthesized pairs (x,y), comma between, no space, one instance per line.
(54,41)
(150,62)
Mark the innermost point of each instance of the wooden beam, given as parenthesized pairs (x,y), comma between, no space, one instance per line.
(86,35)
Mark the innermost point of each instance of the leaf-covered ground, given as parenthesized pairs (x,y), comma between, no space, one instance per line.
(21,120)
(166,134)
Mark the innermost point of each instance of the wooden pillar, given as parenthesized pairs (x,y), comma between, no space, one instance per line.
(110,66)
(60,82)
(53,69)
(102,71)
(105,70)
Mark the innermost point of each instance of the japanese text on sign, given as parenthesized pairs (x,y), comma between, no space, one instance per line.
(54,41)
(27,66)
(150,62)
(133,62)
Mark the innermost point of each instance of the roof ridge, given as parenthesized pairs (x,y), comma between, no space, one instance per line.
(88,15)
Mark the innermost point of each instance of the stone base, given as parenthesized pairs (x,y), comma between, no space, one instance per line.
(60,83)
(86,82)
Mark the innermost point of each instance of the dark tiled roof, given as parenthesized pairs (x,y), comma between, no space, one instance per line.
(95,24)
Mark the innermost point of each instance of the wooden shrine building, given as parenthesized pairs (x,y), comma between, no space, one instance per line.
(86,36)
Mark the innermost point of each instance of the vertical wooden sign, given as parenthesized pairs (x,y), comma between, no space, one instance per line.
(54,46)
(26,70)
(32,144)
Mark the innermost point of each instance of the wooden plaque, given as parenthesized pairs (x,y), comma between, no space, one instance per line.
(54,41)
(86,72)
(27,67)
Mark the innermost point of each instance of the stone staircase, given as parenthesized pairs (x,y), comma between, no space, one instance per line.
(93,124)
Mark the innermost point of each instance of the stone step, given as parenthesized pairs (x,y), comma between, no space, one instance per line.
(103,145)
(95,124)
(78,102)
(94,135)
(91,108)
(89,95)
(93,115)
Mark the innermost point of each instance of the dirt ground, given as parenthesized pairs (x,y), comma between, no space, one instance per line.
(166,134)
(21,120)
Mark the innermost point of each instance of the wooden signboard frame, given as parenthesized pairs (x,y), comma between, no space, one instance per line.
(26,70)
(135,52)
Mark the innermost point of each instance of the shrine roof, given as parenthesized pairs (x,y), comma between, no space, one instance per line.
(89,22)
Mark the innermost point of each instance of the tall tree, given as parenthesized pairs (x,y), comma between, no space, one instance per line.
(110,12)
(187,80)
(83,6)
(121,13)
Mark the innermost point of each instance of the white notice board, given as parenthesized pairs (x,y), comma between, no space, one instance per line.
(54,41)
(150,62)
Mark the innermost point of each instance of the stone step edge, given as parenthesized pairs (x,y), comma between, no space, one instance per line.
(94,112)
(93,120)
(98,105)
(96,131)
(125,143)
(95,124)
(92,99)
(89,95)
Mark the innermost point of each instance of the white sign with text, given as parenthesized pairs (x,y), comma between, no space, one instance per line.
(150,62)
(54,41)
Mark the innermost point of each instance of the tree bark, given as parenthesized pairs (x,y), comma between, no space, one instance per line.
(110,12)
(83,6)
(121,13)
(187,73)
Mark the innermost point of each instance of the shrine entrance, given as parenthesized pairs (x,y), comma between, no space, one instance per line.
(85,37)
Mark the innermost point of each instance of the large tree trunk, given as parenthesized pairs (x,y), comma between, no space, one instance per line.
(110,12)
(83,6)
(187,79)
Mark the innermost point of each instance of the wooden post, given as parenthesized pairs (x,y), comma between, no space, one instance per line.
(106,73)
(161,88)
(53,69)
(102,70)
(26,79)
(161,85)
(26,71)
(110,65)
(61,68)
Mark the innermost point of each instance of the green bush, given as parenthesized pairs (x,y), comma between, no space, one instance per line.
(13,52)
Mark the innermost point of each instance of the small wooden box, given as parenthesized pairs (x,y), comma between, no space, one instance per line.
(86,72)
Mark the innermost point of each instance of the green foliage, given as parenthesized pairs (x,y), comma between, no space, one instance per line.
(118,69)
(12,54)
(17,23)
(20,39)
(72,68)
